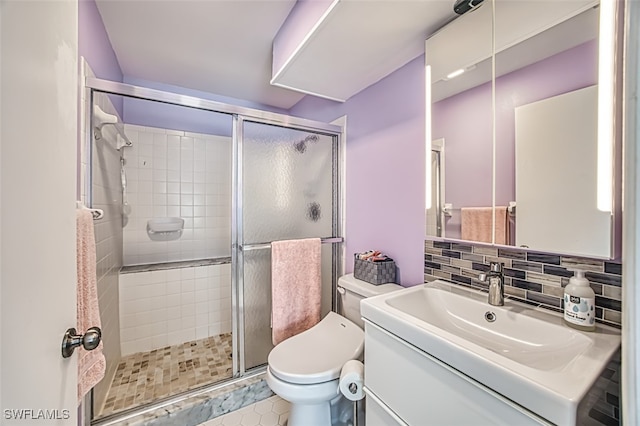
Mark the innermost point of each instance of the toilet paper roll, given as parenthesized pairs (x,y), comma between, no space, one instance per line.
(352,380)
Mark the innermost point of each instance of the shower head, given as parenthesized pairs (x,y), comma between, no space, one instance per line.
(301,146)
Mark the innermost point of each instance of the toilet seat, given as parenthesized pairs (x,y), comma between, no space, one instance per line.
(317,354)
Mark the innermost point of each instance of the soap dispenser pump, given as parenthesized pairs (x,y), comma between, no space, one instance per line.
(579,303)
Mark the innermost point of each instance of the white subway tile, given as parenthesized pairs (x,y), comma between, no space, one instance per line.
(215,329)
(199,211)
(186,200)
(188,322)
(173,187)
(173,322)
(143,331)
(176,338)
(202,332)
(144,345)
(188,298)
(201,295)
(173,167)
(160,341)
(202,320)
(174,287)
(174,300)
(214,316)
(144,318)
(160,211)
(127,347)
(225,327)
(128,320)
(135,127)
(173,200)
(160,199)
(187,273)
(145,186)
(145,174)
(158,302)
(199,177)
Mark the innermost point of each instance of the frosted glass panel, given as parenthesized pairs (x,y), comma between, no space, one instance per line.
(257,301)
(257,307)
(287,184)
(288,192)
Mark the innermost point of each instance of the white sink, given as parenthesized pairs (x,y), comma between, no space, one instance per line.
(527,354)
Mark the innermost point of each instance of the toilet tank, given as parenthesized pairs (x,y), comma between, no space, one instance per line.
(352,290)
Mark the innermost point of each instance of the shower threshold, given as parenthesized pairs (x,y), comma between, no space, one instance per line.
(146,377)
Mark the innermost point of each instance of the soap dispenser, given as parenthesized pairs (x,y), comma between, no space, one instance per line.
(579,303)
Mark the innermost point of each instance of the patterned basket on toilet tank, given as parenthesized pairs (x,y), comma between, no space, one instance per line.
(375,272)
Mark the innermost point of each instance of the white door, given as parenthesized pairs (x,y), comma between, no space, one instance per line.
(38,142)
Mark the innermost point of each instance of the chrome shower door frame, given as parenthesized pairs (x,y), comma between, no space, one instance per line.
(239,116)
(335,239)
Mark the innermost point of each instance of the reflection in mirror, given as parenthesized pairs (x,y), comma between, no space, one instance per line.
(546,134)
(461,114)
(542,50)
(437,210)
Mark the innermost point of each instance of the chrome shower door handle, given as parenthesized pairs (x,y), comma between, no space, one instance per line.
(90,340)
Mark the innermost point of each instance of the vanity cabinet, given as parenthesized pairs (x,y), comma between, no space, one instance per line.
(406,386)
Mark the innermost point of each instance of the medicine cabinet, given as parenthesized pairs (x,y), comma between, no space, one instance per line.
(521,106)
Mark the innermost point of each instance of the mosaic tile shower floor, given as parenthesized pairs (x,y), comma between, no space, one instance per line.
(146,377)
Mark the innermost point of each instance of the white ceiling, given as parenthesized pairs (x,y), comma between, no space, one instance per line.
(225,46)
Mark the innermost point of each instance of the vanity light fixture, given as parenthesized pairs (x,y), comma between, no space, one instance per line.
(427,136)
(606,107)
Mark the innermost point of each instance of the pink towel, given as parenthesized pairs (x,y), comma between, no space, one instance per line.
(477,223)
(91,364)
(295,287)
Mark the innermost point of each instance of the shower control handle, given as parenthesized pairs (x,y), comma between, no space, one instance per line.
(90,340)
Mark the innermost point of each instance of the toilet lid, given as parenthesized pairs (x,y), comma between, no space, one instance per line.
(318,354)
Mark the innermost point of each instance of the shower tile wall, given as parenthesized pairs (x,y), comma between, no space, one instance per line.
(177,174)
(108,231)
(167,307)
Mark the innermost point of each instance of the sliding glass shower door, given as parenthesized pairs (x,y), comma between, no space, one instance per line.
(287,183)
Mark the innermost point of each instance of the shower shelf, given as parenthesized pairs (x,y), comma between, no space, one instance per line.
(165,228)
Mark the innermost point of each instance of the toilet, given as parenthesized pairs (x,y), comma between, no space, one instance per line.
(305,369)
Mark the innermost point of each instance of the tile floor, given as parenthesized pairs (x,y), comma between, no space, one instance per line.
(273,411)
(148,376)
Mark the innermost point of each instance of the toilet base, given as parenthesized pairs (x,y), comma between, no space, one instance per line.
(311,404)
(310,414)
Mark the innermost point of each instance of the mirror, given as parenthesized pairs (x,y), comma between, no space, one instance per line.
(534,187)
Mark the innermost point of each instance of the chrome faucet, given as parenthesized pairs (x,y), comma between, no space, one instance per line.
(495,278)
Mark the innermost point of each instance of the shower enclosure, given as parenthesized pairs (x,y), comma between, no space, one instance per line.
(194,192)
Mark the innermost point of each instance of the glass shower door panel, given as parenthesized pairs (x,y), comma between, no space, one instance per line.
(257,307)
(288,185)
(257,301)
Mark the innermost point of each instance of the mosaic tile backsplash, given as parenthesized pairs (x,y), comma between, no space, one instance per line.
(535,278)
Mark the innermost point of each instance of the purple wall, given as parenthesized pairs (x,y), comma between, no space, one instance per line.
(95,47)
(385,167)
(468,165)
